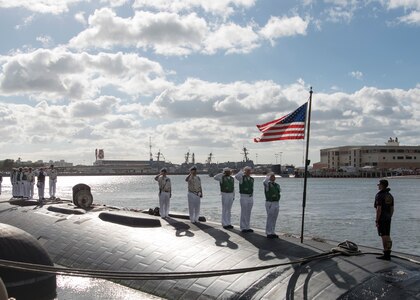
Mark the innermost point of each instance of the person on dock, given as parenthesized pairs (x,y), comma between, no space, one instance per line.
(25,183)
(165,192)
(384,205)
(52,174)
(195,193)
(246,190)
(41,184)
(227,190)
(19,182)
(31,179)
(272,197)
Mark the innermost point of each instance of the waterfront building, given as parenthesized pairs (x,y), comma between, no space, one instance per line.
(389,156)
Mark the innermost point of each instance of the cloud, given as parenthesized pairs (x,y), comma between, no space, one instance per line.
(80,17)
(58,74)
(169,33)
(41,6)
(413,18)
(356,74)
(219,7)
(93,108)
(280,27)
(45,40)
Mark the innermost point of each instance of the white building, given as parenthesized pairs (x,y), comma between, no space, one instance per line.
(389,156)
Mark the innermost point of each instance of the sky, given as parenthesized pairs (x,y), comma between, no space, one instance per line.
(198,75)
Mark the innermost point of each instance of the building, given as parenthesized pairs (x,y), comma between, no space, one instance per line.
(389,156)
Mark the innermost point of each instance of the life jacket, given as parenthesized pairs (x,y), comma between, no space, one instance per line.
(273,192)
(227,184)
(247,185)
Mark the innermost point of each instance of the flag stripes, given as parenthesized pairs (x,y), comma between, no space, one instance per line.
(289,127)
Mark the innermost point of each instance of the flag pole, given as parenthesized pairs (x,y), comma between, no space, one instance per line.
(307,162)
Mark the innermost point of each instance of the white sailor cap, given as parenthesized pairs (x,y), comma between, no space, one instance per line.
(247,168)
(193,168)
(163,170)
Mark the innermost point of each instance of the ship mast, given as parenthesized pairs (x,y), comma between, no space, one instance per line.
(150,149)
(245,152)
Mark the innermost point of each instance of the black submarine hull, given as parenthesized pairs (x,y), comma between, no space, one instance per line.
(108,238)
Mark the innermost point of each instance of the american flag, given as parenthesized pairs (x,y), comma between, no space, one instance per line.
(289,127)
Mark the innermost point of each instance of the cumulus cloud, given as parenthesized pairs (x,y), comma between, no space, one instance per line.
(41,6)
(280,27)
(80,17)
(170,33)
(220,7)
(58,74)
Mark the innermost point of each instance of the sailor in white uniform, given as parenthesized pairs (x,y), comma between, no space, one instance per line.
(13,176)
(227,190)
(165,192)
(25,182)
(195,193)
(52,174)
(246,191)
(272,196)
(19,183)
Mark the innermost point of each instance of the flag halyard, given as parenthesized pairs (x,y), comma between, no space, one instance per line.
(289,127)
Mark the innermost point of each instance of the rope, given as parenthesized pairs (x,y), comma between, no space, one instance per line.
(121,275)
(346,248)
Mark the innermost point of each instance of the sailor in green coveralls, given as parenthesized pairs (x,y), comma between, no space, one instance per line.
(272,196)
(227,189)
(246,191)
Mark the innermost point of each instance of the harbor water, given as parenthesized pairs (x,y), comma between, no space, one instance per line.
(337,209)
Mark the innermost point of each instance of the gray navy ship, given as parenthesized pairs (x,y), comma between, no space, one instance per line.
(175,259)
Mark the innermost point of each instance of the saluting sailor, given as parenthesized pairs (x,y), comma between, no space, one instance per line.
(272,196)
(52,174)
(165,192)
(195,193)
(246,191)
(227,189)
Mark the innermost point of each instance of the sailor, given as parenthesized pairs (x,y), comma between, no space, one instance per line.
(227,189)
(195,192)
(165,192)
(272,197)
(384,205)
(13,176)
(41,184)
(52,174)
(25,183)
(19,183)
(31,179)
(246,190)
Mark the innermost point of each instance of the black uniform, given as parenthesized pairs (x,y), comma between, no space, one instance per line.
(385,200)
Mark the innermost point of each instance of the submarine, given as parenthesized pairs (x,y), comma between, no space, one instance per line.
(173,258)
